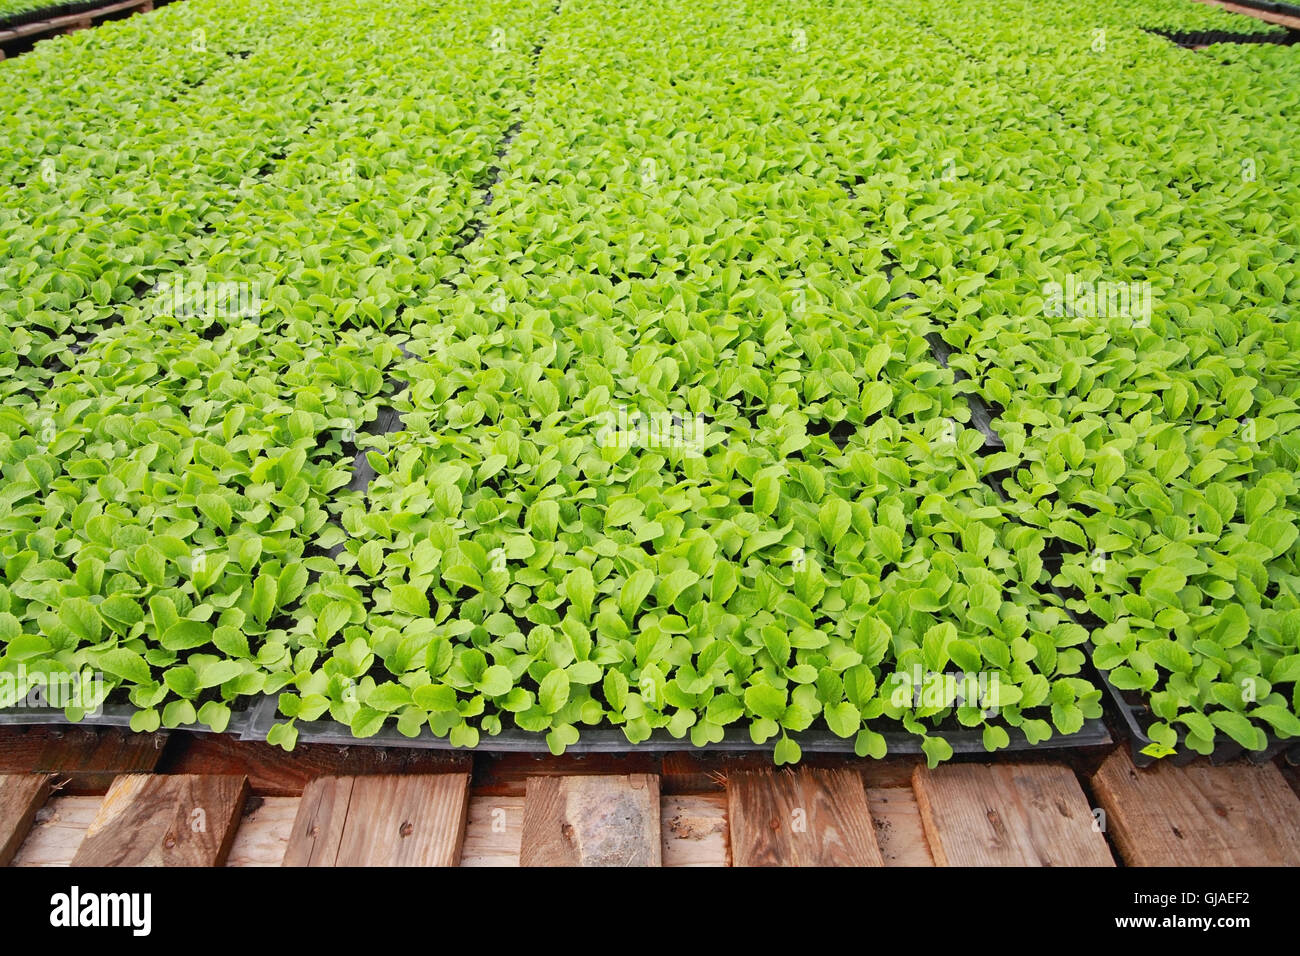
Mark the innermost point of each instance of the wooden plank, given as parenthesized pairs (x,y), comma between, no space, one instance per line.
(414,820)
(263,833)
(493,831)
(803,817)
(507,774)
(85,760)
(684,772)
(1008,815)
(695,830)
(273,772)
(592,821)
(148,820)
(704,771)
(1239,814)
(60,827)
(21,795)
(319,823)
(899,830)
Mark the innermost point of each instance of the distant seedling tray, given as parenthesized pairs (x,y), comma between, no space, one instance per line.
(1290,9)
(49,12)
(609,740)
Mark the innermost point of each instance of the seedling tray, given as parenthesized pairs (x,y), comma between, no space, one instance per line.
(114,715)
(610,740)
(49,12)
(1290,9)
(981,415)
(1134,713)
(1197,39)
(1137,716)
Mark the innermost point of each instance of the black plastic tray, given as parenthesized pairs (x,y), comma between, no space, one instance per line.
(116,715)
(981,415)
(1197,39)
(610,740)
(50,12)
(1290,9)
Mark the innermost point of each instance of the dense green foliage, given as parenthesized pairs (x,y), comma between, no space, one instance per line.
(521,227)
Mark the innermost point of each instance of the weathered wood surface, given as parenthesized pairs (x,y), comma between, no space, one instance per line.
(1008,815)
(1240,814)
(899,831)
(592,821)
(273,772)
(21,796)
(151,820)
(412,820)
(84,760)
(803,817)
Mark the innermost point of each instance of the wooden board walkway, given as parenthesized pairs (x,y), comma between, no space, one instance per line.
(85,796)
(591,821)
(157,820)
(197,804)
